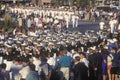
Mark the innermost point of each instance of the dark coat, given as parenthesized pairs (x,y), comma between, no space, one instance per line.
(32,76)
(80,71)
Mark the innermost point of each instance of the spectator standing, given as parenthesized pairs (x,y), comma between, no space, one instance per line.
(80,70)
(33,75)
(4,75)
(65,63)
(25,70)
(115,64)
(104,63)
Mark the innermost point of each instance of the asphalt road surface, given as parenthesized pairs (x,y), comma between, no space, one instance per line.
(85,25)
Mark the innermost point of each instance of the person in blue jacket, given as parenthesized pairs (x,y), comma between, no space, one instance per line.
(33,75)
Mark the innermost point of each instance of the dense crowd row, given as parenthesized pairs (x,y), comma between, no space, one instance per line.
(41,47)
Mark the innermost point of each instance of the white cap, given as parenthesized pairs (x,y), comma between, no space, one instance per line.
(24,44)
(115,40)
(33,34)
(111,41)
(93,48)
(35,43)
(18,42)
(27,48)
(8,45)
(58,42)
(39,39)
(106,47)
(40,25)
(50,43)
(56,21)
(24,35)
(40,44)
(45,26)
(10,38)
(1,42)
(15,39)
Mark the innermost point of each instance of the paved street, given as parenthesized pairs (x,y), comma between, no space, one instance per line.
(85,25)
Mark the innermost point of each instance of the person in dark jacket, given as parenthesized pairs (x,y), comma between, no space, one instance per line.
(33,75)
(115,64)
(93,65)
(80,70)
(4,75)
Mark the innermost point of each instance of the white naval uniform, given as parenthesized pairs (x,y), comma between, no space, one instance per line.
(1,60)
(2,36)
(51,61)
(73,21)
(67,20)
(36,20)
(36,62)
(119,27)
(76,21)
(112,25)
(29,22)
(8,65)
(101,24)
(20,22)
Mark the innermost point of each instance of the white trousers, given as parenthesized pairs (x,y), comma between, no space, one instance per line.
(65,72)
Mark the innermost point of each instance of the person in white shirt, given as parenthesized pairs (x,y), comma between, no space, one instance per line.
(83,59)
(29,22)
(36,20)
(36,62)
(76,20)
(75,53)
(25,70)
(44,70)
(112,24)
(20,21)
(119,26)
(73,20)
(51,60)
(102,24)
(67,20)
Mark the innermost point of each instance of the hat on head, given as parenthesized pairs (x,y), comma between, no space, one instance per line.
(33,34)
(35,43)
(27,48)
(24,36)
(58,43)
(93,48)
(111,41)
(8,46)
(24,44)
(115,40)
(15,39)
(106,47)
(50,43)
(115,32)
(1,42)
(41,44)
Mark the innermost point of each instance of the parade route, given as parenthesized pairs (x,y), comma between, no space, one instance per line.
(58,42)
(85,25)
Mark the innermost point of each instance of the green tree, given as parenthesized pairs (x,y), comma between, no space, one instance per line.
(81,2)
(91,3)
